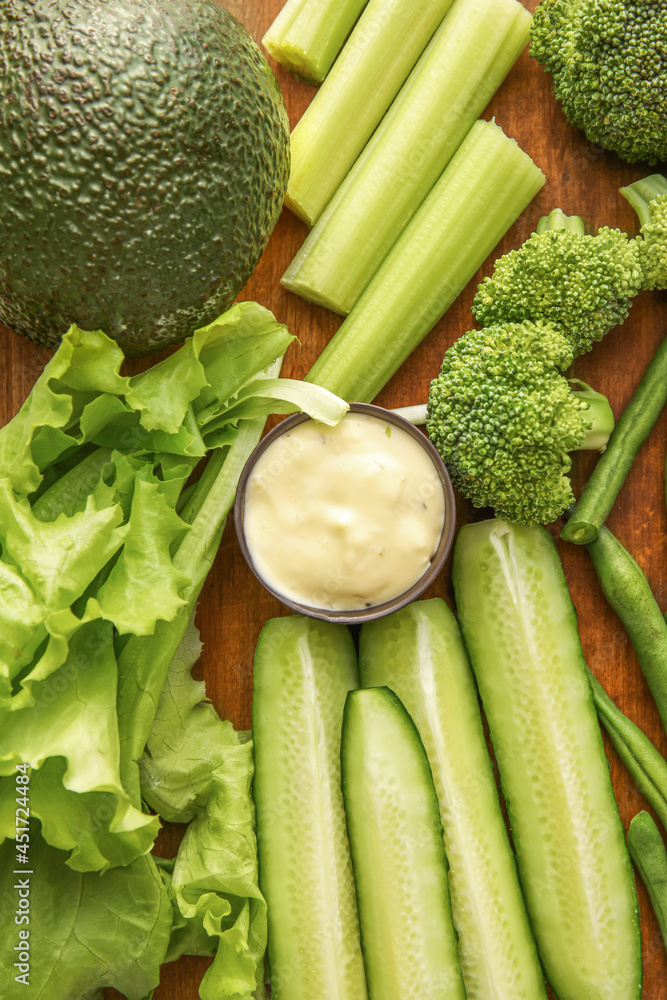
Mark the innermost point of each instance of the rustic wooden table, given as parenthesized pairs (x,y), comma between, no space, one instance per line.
(582,180)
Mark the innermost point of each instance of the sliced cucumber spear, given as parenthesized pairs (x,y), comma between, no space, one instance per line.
(400,869)
(466,61)
(521,632)
(302,673)
(418,653)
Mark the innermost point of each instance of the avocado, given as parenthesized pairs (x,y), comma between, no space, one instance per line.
(144,157)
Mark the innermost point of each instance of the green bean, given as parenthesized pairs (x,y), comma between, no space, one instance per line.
(647,850)
(628,592)
(644,762)
(632,429)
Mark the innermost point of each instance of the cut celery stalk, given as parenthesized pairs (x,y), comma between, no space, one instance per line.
(419,654)
(466,61)
(486,186)
(388,40)
(520,629)
(307,35)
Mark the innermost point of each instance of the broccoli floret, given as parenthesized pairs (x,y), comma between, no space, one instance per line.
(504,420)
(648,197)
(654,245)
(583,283)
(609,64)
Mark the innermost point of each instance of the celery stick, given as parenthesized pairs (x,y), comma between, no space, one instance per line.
(375,62)
(307,35)
(466,61)
(484,189)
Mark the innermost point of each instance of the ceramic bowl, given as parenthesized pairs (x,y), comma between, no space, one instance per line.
(356,616)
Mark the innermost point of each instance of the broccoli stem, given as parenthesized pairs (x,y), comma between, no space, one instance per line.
(642,192)
(609,474)
(642,759)
(647,850)
(558,220)
(485,187)
(601,415)
(375,62)
(628,592)
(466,61)
(417,415)
(307,35)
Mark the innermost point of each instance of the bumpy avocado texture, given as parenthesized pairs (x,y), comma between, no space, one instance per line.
(144,157)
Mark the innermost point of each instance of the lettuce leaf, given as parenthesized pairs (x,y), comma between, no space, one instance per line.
(198,769)
(86,931)
(85,363)
(95,538)
(70,737)
(80,398)
(275,395)
(58,559)
(144,586)
(144,662)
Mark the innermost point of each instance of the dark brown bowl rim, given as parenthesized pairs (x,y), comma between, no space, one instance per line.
(358,616)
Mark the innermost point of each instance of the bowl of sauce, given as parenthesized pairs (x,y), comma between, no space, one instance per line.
(345,523)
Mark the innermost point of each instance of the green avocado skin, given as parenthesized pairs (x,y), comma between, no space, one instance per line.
(144,157)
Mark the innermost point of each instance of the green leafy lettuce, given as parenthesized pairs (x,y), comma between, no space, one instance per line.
(85,931)
(103,552)
(197,769)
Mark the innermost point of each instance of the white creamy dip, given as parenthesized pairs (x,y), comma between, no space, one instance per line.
(343,517)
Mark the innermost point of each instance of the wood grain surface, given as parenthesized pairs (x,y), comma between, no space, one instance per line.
(581,179)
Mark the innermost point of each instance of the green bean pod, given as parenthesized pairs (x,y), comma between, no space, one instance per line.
(642,759)
(628,592)
(632,429)
(647,850)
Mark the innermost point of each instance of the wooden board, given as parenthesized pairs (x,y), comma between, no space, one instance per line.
(583,180)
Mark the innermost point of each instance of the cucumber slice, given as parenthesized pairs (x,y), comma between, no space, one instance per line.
(400,869)
(521,632)
(302,673)
(418,653)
